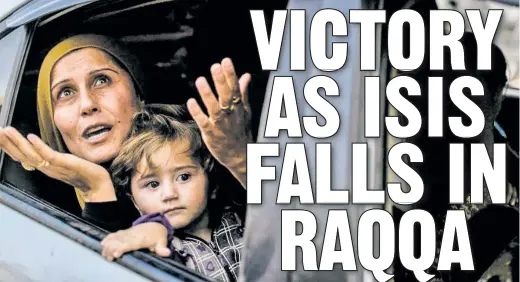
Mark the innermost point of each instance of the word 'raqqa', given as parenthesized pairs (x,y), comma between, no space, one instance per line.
(337,228)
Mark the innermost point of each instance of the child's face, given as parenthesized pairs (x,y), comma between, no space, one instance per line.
(176,186)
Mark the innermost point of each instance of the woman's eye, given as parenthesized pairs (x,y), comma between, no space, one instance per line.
(65,93)
(152,184)
(100,80)
(183,177)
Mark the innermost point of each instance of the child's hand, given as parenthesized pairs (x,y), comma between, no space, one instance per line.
(150,235)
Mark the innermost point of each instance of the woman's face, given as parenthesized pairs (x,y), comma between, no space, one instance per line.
(94,100)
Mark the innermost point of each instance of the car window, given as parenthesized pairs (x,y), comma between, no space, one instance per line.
(26,215)
(11,50)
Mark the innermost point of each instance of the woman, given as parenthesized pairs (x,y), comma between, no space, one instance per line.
(89,88)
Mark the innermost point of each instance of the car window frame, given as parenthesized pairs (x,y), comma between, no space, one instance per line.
(72,227)
(11,89)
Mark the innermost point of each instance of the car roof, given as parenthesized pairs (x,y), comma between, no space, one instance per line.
(7,7)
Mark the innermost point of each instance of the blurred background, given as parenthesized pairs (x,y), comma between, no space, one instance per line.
(507,35)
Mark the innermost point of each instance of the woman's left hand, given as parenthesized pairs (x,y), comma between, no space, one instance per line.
(227,130)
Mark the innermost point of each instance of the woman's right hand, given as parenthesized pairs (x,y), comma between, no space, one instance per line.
(226,130)
(92,179)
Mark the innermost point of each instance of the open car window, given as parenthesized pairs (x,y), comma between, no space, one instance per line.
(32,226)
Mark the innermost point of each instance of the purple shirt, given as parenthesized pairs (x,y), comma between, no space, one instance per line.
(159,218)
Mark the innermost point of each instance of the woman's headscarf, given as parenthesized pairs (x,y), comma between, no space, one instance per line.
(48,131)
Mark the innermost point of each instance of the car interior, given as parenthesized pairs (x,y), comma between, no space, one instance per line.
(176,42)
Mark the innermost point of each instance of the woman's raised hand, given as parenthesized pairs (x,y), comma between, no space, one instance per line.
(92,179)
(227,129)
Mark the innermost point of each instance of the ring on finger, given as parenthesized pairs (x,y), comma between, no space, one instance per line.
(227,109)
(43,163)
(27,167)
(236,100)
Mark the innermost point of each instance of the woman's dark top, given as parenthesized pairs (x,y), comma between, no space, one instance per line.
(111,216)
(114,215)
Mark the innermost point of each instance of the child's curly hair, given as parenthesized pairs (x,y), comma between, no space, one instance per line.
(152,128)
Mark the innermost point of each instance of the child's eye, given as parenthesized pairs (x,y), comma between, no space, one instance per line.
(152,184)
(183,177)
(101,79)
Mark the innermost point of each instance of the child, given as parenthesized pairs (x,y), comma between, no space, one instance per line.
(167,171)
